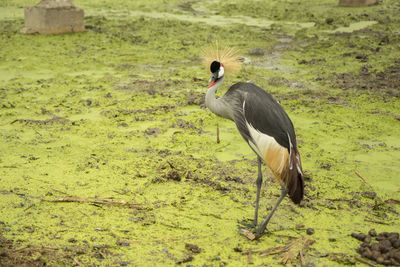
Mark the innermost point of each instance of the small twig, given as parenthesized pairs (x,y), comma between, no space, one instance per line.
(77,262)
(302,260)
(58,191)
(378,222)
(392,201)
(273,251)
(218,140)
(83,213)
(170,164)
(365,181)
(364,261)
(249,257)
(220,148)
(362,178)
(94,202)
(160,239)
(102,254)
(36,248)
(30,206)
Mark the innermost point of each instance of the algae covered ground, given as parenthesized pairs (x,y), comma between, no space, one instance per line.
(109,157)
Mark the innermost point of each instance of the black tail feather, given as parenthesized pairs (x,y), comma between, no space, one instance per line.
(295,179)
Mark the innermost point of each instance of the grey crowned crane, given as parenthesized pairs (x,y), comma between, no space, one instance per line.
(264,125)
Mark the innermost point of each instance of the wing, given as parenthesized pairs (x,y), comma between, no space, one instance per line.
(261,111)
(267,128)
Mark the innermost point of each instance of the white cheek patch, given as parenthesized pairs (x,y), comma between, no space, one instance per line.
(221,72)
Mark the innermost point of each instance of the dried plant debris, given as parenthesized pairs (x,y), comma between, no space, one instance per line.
(97,202)
(193,248)
(385,251)
(289,253)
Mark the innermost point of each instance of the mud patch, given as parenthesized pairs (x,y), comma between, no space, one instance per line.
(13,255)
(145,86)
(194,98)
(384,82)
(152,131)
(385,251)
(53,120)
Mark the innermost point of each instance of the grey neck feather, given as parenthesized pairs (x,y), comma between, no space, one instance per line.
(218,106)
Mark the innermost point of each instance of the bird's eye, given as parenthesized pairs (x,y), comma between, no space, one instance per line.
(221,72)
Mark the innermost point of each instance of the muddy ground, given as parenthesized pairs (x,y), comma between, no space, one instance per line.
(108,156)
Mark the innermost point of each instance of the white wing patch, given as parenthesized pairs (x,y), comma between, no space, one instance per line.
(274,155)
(263,144)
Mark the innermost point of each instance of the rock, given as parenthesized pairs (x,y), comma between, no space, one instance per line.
(396,256)
(394,262)
(385,245)
(367,239)
(367,253)
(193,248)
(385,252)
(52,17)
(393,235)
(360,236)
(310,231)
(375,246)
(380,259)
(124,243)
(329,20)
(238,249)
(256,52)
(380,237)
(375,255)
(372,232)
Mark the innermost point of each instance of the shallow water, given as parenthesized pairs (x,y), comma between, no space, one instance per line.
(355,26)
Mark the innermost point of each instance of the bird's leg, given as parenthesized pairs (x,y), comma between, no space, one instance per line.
(260,230)
(258,183)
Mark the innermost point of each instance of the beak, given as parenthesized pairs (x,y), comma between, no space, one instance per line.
(213,79)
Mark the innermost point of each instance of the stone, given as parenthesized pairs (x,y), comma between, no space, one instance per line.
(358,2)
(52,17)
(256,51)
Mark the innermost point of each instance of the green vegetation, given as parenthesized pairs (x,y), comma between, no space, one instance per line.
(115,116)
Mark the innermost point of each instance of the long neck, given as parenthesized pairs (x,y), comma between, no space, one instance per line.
(218,106)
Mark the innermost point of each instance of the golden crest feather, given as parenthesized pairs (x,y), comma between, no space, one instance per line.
(228,56)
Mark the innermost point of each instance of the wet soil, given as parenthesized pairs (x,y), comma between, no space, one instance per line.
(385,82)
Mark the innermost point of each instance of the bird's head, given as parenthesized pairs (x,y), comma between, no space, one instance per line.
(220,59)
(217,72)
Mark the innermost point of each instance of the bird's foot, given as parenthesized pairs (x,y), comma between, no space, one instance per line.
(253,234)
(244,224)
(260,232)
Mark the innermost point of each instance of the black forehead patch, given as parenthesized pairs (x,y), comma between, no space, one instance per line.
(215,66)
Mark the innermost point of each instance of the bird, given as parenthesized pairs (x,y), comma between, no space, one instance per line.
(263,124)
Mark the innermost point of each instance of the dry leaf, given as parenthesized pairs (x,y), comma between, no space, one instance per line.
(249,234)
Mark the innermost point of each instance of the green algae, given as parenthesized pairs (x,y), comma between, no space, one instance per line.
(117,113)
(355,26)
(214,20)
